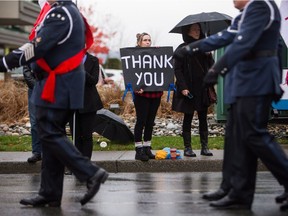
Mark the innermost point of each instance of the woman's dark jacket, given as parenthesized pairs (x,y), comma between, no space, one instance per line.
(190,72)
(92,100)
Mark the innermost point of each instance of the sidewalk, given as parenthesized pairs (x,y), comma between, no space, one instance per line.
(123,161)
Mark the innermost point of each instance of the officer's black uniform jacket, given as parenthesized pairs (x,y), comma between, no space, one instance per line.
(60,36)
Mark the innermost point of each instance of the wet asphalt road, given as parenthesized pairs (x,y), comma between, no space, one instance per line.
(132,194)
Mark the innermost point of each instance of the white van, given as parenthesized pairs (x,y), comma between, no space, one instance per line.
(111,78)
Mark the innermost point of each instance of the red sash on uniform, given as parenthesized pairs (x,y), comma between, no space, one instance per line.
(68,65)
(48,93)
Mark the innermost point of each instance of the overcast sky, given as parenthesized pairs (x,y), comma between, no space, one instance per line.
(157,17)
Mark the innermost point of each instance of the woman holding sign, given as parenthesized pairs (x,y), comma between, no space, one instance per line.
(191,93)
(146,106)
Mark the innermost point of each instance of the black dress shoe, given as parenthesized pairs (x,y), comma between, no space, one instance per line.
(216,195)
(93,185)
(282,197)
(34,158)
(40,201)
(228,203)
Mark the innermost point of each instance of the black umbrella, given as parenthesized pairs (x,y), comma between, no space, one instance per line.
(211,22)
(111,126)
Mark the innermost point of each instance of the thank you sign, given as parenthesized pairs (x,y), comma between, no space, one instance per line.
(148,68)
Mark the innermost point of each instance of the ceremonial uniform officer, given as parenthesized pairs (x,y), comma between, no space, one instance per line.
(208,44)
(56,54)
(256,84)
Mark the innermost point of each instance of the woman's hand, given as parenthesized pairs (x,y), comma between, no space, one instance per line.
(185,92)
(140,91)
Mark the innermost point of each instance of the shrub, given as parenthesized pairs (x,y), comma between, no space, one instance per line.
(14,102)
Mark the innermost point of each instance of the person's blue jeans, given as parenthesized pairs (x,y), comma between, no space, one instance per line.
(36,145)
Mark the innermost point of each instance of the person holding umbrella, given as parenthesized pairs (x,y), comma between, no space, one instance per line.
(146,106)
(213,42)
(191,94)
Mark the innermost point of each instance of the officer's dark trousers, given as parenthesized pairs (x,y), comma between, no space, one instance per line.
(229,142)
(58,152)
(253,142)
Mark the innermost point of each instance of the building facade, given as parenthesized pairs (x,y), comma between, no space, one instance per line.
(16,20)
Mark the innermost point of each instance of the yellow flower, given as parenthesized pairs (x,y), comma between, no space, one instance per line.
(161,155)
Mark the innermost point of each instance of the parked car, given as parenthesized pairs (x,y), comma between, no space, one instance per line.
(117,77)
(111,78)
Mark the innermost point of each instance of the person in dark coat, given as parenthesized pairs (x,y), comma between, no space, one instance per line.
(56,54)
(256,84)
(191,95)
(213,42)
(30,80)
(83,118)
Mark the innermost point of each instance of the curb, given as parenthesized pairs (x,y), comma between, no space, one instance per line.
(123,161)
(130,166)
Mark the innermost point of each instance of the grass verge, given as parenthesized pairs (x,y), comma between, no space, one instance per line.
(23,143)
